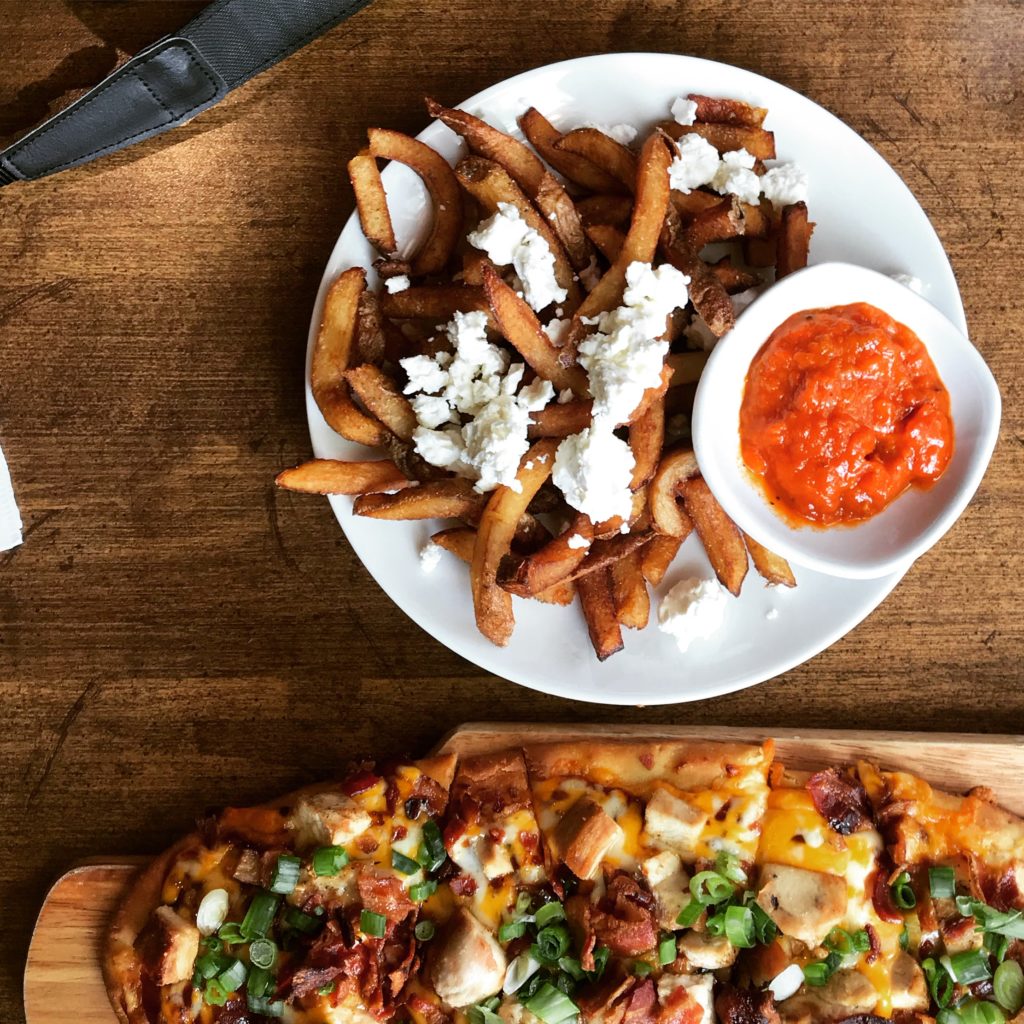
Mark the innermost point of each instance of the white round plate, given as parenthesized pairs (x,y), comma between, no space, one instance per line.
(864,215)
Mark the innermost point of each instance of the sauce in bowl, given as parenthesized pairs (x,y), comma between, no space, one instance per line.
(842,411)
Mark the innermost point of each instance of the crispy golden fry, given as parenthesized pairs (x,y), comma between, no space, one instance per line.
(632,602)
(733,279)
(383,398)
(760,252)
(529,575)
(434,302)
(613,210)
(440,182)
(372,203)
(611,529)
(794,240)
(722,111)
(473,263)
(689,204)
(459,540)
(726,137)
(772,567)
(504,508)
(544,137)
(598,600)
(370,341)
(642,240)
(608,239)
(720,536)
(392,268)
(717,223)
(759,220)
(453,498)
(676,467)
(331,354)
(327,476)
(559,210)
(403,454)
(646,437)
(489,183)
(687,367)
(561,420)
(520,326)
(603,151)
(657,556)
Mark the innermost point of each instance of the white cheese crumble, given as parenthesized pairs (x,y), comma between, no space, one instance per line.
(593,470)
(735,176)
(578,541)
(915,284)
(692,610)
(507,238)
(212,911)
(772,614)
(556,330)
(785,185)
(397,284)
(623,134)
(684,111)
(787,982)
(695,164)
(430,556)
(565,396)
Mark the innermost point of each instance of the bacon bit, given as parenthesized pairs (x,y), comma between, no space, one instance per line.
(398,833)
(956,928)
(680,1008)
(647,760)
(623,920)
(876,944)
(463,885)
(841,800)
(360,782)
(391,795)
(429,1011)
(723,812)
(430,793)
(870,1018)
(531,844)
(367,843)
(453,832)
(741,1006)
(495,835)
(776,775)
(881,896)
(641,1004)
(414,807)
(587,953)
(385,894)
(248,868)
(732,770)
(999,891)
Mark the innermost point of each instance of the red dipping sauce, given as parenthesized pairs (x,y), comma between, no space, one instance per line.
(843,410)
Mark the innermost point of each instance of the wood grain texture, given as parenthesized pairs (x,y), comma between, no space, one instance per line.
(174,633)
(62,973)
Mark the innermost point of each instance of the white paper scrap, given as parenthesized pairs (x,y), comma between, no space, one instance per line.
(10,516)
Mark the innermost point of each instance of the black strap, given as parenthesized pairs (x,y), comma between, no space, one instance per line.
(171,81)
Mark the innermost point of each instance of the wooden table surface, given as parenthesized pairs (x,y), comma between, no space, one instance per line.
(175,634)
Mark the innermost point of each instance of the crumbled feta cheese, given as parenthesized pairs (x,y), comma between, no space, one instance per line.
(692,610)
(528,464)
(542,458)
(695,164)
(593,470)
(772,614)
(626,355)
(536,395)
(565,396)
(397,284)
(577,541)
(915,284)
(684,111)
(430,556)
(495,442)
(431,410)
(508,239)
(787,982)
(624,134)
(785,185)
(556,330)
(734,175)
(442,448)
(424,375)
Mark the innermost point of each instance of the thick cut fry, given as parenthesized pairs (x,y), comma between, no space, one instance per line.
(492,604)
(718,223)
(441,499)
(722,111)
(758,220)
(641,241)
(657,556)
(794,240)
(327,476)
(370,341)
(726,137)
(603,151)
(459,540)
(646,437)
(404,455)
(544,137)
(608,239)
(440,182)
(733,279)
(686,366)
(720,536)
(632,602)
(528,575)
(598,600)
(335,342)
(383,398)
(676,467)
(520,326)
(372,203)
(559,210)
(489,183)
(760,252)
(435,302)
(770,566)
(392,268)
(689,204)
(613,210)
(561,420)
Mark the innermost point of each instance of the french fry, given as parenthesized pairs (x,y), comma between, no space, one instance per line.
(657,556)
(722,111)
(529,575)
(732,278)
(726,137)
(492,604)
(598,600)
(720,536)
(794,240)
(559,210)
(328,476)
(675,468)
(646,437)
(453,498)
(383,398)
(611,529)
(687,367)
(392,267)
(612,210)
(434,302)
(758,220)
(608,239)
(561,420)
(440,182)
(689,204)
(603,151)
(520,326)
(370,341)
(544,137)
(332,351)
(718,223)
(770,566)
(489,183)
(629,589)
(459,540)
(404,455)
(372,203)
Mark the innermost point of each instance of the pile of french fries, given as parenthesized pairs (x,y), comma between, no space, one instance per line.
(600,206)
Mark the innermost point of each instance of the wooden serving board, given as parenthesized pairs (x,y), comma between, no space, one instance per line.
(62,974)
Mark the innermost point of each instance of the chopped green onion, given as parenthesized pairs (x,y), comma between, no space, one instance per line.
(947,1016)
(601,956)
(940,984)
(861,941)
(482,1015)
(571,966)
(511,930)
(266,1007)
(942,883)
(564,983)
(214,993)
(374,925)
(552,942)
(641,968)
(996,944)
(326,990)
(523,902)
(263,953)
(667,951)
(969,966)
(211,944)
(965,905)
(739,927)
(715,925)
(491,1004)
(533,980)
(903,892)
(234,977)
(231,933)
(521,972)
(689,914)
(424,930)
(728,865)
(551,1005)
(305,923)
(260,915)
(549,913)
(977,1012)
(905,939)
(285,875)
(260,982)
(710,887)
(209,965)
(422,890)
(765,928)
(820,971)
(329,860)
(406,865)
(432,852)
(1008,985)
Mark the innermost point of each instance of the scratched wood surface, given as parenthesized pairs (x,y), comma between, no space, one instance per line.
(173,634)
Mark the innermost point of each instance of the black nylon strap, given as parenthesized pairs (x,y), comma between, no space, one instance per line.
(171,81)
